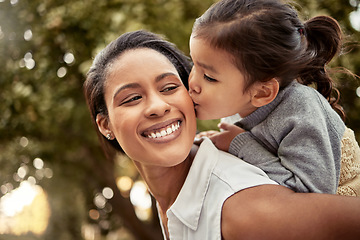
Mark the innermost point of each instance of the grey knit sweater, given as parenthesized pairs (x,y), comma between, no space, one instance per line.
(296,140)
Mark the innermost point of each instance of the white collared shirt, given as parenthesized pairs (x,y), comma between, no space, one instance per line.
(213,177)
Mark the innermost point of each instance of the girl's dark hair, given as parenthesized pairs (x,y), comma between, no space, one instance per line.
(266,40)
(97,75)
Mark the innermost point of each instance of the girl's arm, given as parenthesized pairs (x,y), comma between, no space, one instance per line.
(275,212)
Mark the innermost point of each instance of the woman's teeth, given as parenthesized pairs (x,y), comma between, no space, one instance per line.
(165,131)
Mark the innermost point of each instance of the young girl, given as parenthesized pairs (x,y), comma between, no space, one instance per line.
(256,58)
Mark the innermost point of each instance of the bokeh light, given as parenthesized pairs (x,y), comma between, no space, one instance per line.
(355,19)
(24,141)
(48,173)
(22,171)
(69,58)
(28,35)
(27,61)
(99,201)
(38,163)
(124,183)
(61,72)
(140,198)
(24,209)
(94,214)
(7,187)
(13,202)
(107,193)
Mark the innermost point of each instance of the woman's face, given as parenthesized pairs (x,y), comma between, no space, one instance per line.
(150,111)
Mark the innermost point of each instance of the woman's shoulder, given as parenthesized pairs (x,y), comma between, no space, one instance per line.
(226,170)
(230,171)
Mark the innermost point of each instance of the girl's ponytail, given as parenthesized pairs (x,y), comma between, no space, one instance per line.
(324,37)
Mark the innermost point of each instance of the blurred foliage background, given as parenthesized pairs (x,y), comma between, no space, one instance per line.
(55,182)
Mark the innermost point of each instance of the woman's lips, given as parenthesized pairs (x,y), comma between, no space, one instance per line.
(164,130)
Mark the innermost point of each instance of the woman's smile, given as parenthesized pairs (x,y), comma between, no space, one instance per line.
(163,132)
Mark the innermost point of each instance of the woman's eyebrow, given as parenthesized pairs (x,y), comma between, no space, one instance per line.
(126,86)
(164,75)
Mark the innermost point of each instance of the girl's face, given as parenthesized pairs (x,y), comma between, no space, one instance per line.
(150,112)
(216,85)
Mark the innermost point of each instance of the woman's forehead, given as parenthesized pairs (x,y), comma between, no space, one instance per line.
(139,66)
(141,60)
(140,56)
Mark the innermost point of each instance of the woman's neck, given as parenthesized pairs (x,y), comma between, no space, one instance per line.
(165,183)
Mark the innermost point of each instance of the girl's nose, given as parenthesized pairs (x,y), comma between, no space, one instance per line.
(157,106)
(194,87)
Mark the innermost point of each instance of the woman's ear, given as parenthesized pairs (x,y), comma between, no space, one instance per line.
(102,123)
(264,92)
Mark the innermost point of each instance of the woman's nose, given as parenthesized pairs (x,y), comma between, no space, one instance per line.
(157,106)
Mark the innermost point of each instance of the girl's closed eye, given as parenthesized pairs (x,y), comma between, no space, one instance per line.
(210,79)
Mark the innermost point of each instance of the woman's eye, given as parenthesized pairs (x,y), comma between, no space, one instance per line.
(206,77)
(169,88)
(131,100)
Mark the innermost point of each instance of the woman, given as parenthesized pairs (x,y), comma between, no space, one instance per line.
(139,103)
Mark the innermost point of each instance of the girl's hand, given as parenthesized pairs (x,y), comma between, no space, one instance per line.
(206,134)
(223,139)
(199,137)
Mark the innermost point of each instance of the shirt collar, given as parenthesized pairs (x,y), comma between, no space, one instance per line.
(188,205)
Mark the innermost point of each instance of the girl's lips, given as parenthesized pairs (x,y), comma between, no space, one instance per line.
(195,104)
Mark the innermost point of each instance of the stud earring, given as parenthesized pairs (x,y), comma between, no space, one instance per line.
(108,136)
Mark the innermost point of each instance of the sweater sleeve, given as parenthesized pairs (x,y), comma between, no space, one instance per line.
(298,145)
(246,147)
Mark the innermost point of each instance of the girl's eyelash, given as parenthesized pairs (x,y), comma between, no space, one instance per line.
(209,78)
